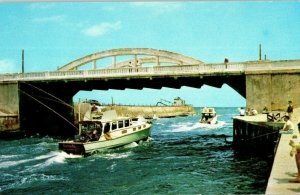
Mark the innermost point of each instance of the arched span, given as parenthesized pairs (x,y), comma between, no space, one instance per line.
(181,59)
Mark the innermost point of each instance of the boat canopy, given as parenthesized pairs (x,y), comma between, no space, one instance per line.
(208,111)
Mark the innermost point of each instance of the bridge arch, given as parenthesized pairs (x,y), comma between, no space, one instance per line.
(153,56)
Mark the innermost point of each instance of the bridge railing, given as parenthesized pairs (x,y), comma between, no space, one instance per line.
(157,70)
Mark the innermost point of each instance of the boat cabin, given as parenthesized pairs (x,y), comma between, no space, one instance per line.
(103,126)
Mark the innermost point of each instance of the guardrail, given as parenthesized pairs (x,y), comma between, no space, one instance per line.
(229,68)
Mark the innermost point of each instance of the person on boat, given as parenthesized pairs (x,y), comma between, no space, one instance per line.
(92,136)
(106,132)
(94,108)
(95,136)
(288,127)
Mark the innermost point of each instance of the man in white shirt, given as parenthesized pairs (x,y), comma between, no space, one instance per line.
(288,126)
(242,111)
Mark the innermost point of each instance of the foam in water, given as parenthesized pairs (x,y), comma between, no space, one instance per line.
(183,127)
(54,157)
(117,155)
(50,156)
(8,164)
(9,156)
(131,145)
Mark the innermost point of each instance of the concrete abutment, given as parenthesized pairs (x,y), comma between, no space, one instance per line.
(272,90)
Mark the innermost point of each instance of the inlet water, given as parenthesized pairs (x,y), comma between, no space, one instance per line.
(183,157)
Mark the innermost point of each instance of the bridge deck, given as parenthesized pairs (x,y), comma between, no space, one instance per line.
(236,68)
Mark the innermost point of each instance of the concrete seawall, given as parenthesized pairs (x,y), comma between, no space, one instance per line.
(159,111)
(253,134)
(145,111)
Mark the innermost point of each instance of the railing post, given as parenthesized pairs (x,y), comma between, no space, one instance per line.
(47,74)
(85,73)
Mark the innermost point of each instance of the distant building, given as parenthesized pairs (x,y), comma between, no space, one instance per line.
(179,102)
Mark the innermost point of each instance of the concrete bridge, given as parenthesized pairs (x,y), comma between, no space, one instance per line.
(35,97)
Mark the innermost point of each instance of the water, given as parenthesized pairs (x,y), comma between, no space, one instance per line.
(184,157)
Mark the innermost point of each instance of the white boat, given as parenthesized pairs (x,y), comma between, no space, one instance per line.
(110,131)
(209,116)
(155,117)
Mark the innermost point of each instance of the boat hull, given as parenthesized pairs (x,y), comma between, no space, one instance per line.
(83,148)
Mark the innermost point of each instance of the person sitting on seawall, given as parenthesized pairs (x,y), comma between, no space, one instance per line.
(254,112)
(288,126)
(265,110)
(295,144)
(242,111)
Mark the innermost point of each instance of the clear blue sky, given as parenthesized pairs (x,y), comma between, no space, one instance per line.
(54,34)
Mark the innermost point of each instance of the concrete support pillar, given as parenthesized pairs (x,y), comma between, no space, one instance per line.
(259,92)
(9,106)
(272,90)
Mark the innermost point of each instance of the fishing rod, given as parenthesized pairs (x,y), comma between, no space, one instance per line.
(49,109)
(273,132)
(58,100)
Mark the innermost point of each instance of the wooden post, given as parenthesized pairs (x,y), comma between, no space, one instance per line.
(259,51)
(22,60)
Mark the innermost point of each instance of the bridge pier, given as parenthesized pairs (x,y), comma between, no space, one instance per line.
(272,90)
(9,108)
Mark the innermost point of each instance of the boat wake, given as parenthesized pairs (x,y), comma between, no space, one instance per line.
(131,145)
(183,127)
(55,157)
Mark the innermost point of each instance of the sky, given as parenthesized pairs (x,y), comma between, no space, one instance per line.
(53,34)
